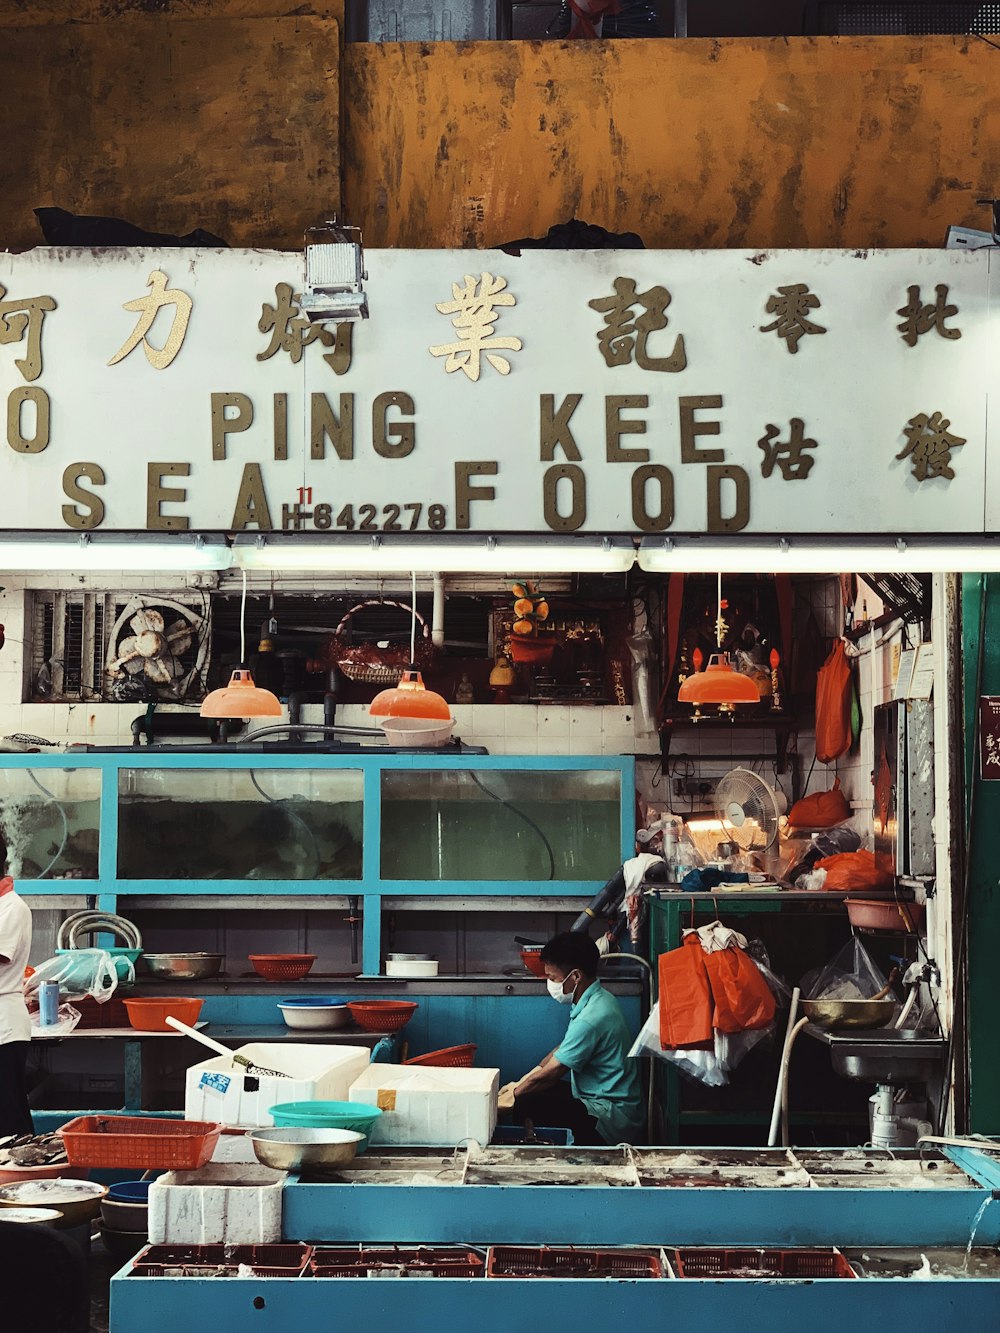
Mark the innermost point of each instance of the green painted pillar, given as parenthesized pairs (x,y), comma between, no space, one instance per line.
(981,644)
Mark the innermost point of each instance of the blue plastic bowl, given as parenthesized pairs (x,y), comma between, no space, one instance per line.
(327,1115)
(129,1191)
(311,1002)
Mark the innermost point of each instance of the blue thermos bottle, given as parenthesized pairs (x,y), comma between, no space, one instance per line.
(48,1004)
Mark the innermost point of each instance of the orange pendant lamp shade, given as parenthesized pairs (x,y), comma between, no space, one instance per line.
(241,698)
(718,684)
(410,698)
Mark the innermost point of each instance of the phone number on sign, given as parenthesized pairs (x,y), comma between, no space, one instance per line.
(363,517)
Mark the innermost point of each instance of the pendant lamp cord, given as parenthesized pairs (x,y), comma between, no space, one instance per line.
(243,621)
(413,615)
(719,615)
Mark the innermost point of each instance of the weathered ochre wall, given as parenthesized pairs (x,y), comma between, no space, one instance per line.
(231,124)
(759,143)
(25,13)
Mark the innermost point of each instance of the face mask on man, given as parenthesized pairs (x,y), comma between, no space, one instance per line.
(556,990)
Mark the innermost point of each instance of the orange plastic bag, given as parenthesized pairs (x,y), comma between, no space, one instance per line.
(833,706)
(820,809)
(743,999)
(854,870)
(685,998)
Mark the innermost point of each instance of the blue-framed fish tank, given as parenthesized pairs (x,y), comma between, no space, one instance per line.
(164,829)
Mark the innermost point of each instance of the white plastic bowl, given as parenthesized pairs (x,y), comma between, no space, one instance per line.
(412,967)
(315,1016)
(417,731)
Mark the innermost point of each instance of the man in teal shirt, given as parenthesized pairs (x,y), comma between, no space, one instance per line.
(602,1102)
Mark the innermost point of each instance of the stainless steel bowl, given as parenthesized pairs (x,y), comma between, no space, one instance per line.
(183,966)
(411,957)
(855,1014)
(298,1149)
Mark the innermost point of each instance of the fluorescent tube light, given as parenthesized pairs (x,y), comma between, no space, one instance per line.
(456,554)
(807,555)
(131,551)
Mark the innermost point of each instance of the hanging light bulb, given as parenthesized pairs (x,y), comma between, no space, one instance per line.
(241,697)
(719,684)
(411,697)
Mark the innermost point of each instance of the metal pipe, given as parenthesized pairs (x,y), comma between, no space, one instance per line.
(437,612)
(284,728)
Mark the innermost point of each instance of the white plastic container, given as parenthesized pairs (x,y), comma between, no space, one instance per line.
(235,1205)
(425,1104)
(218,1090)
(421,967)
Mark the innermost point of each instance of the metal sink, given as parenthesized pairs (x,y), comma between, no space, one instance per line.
(882,1055)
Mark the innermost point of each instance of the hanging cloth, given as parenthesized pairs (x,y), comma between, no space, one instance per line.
(833,706)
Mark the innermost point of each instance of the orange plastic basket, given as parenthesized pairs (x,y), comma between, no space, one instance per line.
(543,1261)
(139,1141)
(282,966)
(382,1015)
(450,1057)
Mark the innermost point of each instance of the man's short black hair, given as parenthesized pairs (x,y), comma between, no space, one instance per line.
(572,951)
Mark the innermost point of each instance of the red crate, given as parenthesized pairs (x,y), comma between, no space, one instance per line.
(542,1261)
(136,1142)
(749,1263)
(111,1014)
(221,1260)
(418,1260)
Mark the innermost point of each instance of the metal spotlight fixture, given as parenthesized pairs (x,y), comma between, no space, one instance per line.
(335,273)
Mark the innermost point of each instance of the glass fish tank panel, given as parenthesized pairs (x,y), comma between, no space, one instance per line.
(497,824)
(240,824)
(50,819)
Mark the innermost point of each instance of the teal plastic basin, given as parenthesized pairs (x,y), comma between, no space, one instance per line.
(327,1115)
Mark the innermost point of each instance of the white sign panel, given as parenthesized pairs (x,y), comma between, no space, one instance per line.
(626,392)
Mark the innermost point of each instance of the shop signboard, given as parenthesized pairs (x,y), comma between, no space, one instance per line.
(612,392)
(989,737)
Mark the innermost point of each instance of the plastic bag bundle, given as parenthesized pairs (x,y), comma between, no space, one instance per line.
(81,972)
(67,1020)
(851,974)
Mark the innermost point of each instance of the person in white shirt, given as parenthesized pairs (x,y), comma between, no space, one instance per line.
(15,1026)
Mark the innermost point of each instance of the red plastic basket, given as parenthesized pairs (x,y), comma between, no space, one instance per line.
(748,1263)
(139,1142)
(418,1261)
(450,1057)
(282,966)
(541,1261)
(382,1015)
(221,1260)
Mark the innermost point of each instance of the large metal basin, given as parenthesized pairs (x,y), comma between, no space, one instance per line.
(883,1056)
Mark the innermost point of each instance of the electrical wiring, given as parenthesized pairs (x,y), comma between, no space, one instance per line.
(65,821)
(521,815)
(293,816)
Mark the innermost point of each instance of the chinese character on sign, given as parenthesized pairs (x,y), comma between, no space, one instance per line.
(624,333)
(929,444)
(791,306)
(18,316)
(148,307)
(788,455)
(919,319)
(989,737)
(474,309)
(291,332)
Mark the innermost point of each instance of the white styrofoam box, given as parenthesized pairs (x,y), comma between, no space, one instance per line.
(234,1147)
(425,1104)
(218,1090)
(234,1204)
